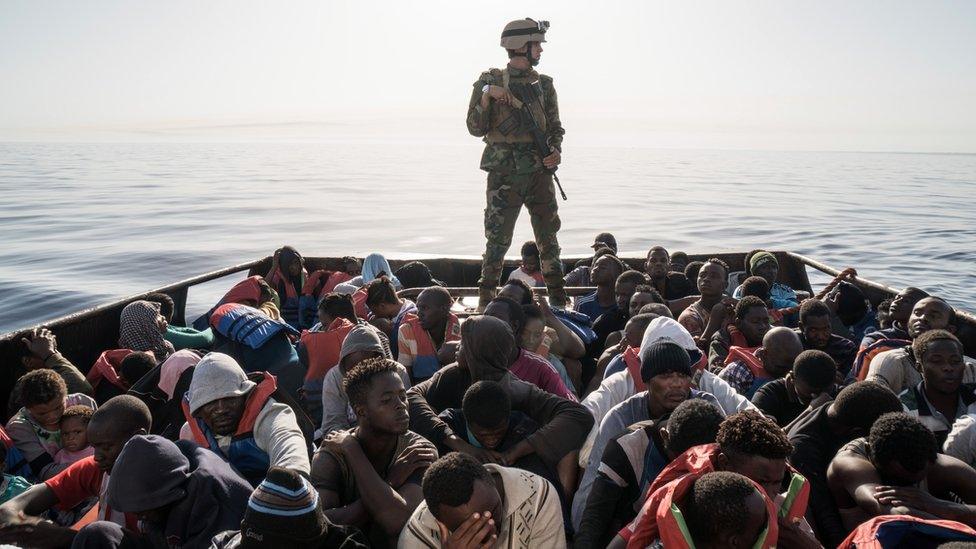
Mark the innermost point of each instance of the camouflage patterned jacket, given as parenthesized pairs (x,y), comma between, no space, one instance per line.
(512,151)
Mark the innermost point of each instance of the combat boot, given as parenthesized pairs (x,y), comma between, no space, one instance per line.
(485,295)
(558,297)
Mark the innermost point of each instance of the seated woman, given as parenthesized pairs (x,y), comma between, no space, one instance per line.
(387,308)
(287,276)
(525,365)
(141,328)
(182,337)
(36,428)
(318,348)
(375,266)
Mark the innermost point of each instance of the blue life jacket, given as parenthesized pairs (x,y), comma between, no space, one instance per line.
(579,323)
(247,325)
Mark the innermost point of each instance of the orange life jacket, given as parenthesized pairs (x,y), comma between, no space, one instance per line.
(426,362)
(243,453)
(862,362)
(747,356)
(698,460)
(633,362)
(892,531)
(315,283)
(662,518)
(323,347)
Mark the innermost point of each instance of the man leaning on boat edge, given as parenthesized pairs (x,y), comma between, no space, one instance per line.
(517,172)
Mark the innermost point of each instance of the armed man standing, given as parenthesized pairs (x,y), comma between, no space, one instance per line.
(515,110)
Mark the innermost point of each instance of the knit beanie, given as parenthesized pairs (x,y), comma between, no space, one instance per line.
(664,357)
(362,337)
(283,511)
(217,376)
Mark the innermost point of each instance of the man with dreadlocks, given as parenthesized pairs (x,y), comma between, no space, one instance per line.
(499,111)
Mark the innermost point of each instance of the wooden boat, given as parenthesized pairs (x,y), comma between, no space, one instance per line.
(84,335)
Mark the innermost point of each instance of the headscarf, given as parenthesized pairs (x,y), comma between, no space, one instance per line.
(487,347)
(761,257)
(373,265)
(139,331)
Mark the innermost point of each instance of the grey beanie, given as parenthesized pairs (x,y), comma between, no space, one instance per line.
(363,337)
(217,376)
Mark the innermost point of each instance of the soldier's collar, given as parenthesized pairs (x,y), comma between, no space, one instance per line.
(520,73)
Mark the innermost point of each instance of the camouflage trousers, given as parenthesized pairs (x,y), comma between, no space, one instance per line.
(505,197)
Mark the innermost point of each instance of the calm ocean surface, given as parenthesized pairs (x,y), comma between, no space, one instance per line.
(82,224)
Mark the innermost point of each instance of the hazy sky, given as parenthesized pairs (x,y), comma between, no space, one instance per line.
(841,75)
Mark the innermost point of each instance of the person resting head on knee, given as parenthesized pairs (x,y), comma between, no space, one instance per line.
(469,504)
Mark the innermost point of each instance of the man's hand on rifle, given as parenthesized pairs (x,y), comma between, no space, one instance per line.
(500,94)
(552,160)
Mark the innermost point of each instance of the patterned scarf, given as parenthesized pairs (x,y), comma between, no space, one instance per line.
(139,331)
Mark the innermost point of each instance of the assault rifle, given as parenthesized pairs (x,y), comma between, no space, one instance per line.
(524,94)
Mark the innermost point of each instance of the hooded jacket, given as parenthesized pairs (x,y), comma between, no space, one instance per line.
(205,496)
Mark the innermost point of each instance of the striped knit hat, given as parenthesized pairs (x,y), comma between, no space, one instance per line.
(283,511)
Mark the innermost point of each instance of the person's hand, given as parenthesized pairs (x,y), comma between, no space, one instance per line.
(8,517)
(723,310)
(552,160)
(476,532)
(791,535)
(42,343)
(820,399)
(36,533)
(833,301)
(448,352)
(413,458)
(501,95)
(481,454)
(913,498)
(339,442)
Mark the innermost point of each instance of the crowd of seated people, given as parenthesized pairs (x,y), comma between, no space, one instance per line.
(677,404)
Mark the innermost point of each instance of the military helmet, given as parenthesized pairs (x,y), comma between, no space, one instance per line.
(522,31)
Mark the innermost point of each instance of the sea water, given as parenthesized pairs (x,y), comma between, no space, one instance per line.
(84,223)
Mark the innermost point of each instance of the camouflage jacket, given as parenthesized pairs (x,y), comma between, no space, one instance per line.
(513,153)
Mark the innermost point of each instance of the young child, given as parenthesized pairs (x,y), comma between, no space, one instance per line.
(74,438)
(12,485)
(529,272)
